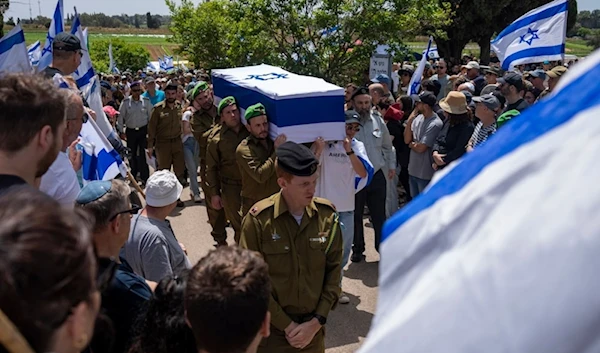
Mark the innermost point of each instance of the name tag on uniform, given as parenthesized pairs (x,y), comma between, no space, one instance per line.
(322,239)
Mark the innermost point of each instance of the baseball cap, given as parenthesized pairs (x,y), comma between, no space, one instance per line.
(381,78)
(150,79)
(489,100)
(162,189)
(512,78)
(557,71)
(425,97)
(66,41)
(472,65)
(407,68)
(538,73)
(110,111)
(352,117)
(489,89)
(107,85)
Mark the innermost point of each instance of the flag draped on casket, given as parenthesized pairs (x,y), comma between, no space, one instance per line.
(500,254)
(301,107)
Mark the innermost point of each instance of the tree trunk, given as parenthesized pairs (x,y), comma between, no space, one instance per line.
(484,49)
(450,49)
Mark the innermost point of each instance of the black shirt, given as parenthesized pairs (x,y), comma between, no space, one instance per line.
(396,129)
(49,72)
(519,105)
(452,140)
(7,180)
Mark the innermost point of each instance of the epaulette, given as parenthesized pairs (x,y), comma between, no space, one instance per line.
(261,206)
(323,201)
(160,104)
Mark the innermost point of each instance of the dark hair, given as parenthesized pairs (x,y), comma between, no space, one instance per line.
(432,86)
(500,97)
(456,119)
(27,104)
(227,299)
(352,85)
(161,328)
(47,263)
(407,104)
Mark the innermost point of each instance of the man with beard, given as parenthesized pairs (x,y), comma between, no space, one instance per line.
(32,124)
(202,122)
(164,132)
(60,181)
(511,86)
(222,172)
(378,143)
(256,158)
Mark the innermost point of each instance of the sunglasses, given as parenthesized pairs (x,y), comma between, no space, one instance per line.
(350,127)
(132,211)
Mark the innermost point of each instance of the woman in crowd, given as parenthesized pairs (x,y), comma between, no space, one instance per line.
(48,288)
(456,132)
(162,327)
(487,109)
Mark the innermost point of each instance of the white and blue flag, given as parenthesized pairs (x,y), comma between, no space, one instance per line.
(168,61)
(13,52)
(57,26)
(415,81)
(500,253)
(111,64)
(534,37)
(34,52)
(151,67)
(161,64)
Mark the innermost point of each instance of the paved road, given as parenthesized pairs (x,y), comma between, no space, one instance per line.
(347,326)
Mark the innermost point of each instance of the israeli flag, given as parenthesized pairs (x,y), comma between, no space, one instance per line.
(534,37)
(432,54)
(13,52)
(168,63)
(56,26)
(500,254)
(361,152)
(111,65)
(34,53)
(100,160)
(151,67)
(161,64)
(85,35)
(415,81)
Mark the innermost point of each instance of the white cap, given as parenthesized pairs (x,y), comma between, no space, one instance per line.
(162,189)
(472,65)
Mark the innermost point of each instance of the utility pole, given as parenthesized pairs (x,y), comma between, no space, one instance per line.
(40,7)
(30,12)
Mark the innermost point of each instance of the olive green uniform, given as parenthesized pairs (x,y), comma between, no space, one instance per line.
(257,166)
(203,123)
(164,134)
(304,264)
(223,174)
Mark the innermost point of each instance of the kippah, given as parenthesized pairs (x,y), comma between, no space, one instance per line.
(225,102)
(359,91)
(93,191)
(255,110)
(296,159)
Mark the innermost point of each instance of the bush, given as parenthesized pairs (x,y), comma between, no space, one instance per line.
(126,55)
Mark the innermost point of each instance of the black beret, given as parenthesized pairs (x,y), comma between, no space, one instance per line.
(296,159)
(359,91)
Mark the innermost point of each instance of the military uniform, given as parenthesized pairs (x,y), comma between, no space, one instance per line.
(257,166)
(304,261)
(223,174)
(164,133)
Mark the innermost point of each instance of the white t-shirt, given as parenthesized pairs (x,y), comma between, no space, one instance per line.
(338,182)
(395,81)
(60,181)
(187,115)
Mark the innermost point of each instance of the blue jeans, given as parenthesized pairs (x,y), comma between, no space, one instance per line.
(191,152)
(347,222)
(417,185)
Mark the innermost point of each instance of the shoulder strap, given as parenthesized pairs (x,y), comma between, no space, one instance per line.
(333,231)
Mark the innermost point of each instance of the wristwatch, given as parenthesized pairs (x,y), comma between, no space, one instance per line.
(350,153)
(322,320)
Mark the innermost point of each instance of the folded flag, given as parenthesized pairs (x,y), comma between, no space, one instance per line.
(537,36)
(301,107)
(500,254)
(13,52)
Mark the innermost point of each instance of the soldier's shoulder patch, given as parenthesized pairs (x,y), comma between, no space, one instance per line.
(161,104)
(322,201)
(260,206)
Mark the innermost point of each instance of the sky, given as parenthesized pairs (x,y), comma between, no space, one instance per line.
(20,8)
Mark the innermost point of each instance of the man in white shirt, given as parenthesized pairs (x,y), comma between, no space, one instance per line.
(60,181)
(345,170)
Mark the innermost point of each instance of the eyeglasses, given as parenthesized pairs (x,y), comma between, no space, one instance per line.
(133,210)
(350,127)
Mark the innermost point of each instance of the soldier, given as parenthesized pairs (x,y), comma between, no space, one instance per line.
(203,121)
(299,237)
(222,172)
(256,159)
(164,132)
(134,114)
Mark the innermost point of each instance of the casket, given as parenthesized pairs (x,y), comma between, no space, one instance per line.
(301,107)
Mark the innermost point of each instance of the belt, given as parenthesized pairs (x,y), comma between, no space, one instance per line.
(136,128)
(301,318)
(229,181)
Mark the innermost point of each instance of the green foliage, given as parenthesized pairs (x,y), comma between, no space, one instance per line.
(589,19)
(593,39)
(126,55)
(153,22)
(332,39)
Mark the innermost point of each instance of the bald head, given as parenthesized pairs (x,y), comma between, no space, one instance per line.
(376,91)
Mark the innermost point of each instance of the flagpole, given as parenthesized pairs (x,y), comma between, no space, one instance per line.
(135,184)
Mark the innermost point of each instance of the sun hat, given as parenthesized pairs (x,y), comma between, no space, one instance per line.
(454,103)
(162,189)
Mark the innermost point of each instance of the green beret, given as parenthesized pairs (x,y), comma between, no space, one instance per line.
(199,88)
(255,110)
(225,102)
(296,159)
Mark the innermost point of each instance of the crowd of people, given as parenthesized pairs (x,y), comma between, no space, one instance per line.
(117,279)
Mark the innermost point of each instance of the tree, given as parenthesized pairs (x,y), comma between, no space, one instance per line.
(126,55)
(473,22)
(4,5)
(136,21)
(332,39)
(152,22)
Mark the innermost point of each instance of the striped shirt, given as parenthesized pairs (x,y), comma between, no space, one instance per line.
(481,134)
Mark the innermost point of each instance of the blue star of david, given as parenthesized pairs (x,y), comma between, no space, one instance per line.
(266,77)
(533,35)
(48,49)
